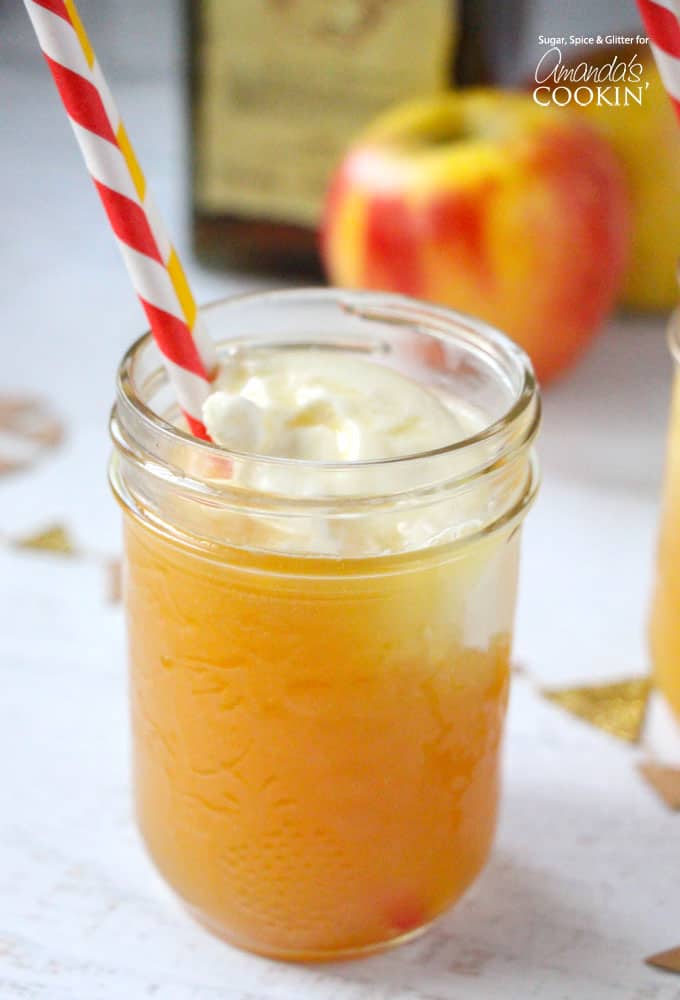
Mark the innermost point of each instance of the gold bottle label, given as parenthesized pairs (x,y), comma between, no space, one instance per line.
(284,85)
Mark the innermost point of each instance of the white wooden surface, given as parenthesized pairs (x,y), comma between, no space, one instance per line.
(584,880)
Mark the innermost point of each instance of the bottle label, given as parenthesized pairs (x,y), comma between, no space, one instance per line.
(283,86)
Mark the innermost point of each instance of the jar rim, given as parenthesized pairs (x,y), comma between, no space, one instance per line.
(384,308)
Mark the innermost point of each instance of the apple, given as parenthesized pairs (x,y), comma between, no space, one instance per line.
(487,203)
(647,138)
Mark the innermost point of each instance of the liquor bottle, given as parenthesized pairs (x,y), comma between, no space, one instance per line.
(278,89)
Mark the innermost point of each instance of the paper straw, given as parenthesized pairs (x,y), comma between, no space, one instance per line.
(152,262)
(661,18)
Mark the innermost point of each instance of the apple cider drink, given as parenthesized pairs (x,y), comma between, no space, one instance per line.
(320,611)
(664,631)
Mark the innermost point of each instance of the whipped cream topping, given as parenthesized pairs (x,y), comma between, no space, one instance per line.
(325,407)
(316,407)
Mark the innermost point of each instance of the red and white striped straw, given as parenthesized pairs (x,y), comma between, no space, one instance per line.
(661,19)
(152,262)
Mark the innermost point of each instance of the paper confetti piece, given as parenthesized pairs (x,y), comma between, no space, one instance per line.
(114,581)
(618,709)
(664,780)
(27,427)
(55,538)
(668,960)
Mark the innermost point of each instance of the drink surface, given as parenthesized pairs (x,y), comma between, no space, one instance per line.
(665,620)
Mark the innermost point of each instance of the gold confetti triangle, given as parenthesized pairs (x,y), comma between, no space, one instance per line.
(54,538)
(664,780)
(618,709)
(668,960)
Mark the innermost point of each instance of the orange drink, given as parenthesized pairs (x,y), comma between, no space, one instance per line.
(665,619)
(319,652)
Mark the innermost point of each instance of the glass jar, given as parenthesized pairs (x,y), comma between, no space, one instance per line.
(319,653)
(665,618)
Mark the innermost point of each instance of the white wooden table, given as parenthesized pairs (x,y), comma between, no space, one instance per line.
(584,880)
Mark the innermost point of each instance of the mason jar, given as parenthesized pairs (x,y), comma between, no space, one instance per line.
(665,617)
(319,652)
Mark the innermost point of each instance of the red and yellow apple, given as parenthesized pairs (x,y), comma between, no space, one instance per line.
(647,138)
(484,202)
